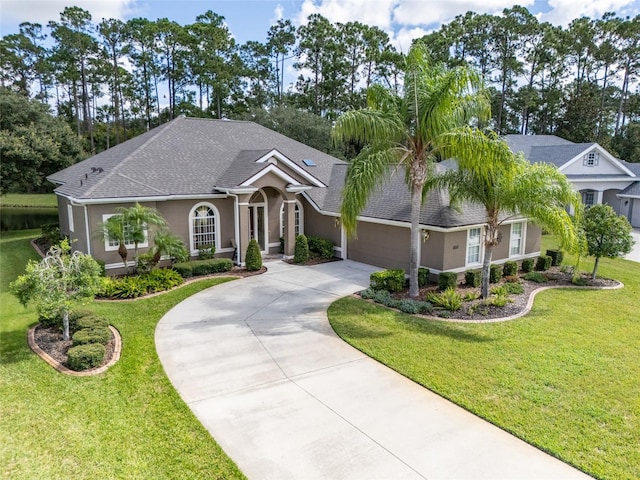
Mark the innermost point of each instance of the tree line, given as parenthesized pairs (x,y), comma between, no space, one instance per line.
(113,80)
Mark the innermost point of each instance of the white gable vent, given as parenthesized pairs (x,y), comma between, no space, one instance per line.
(591,159)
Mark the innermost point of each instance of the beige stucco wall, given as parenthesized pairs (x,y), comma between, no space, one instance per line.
(318,225)
(533,240)
(431,251)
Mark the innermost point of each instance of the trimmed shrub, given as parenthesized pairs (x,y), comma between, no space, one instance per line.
(84,357)
(184,269)
(424,307)
(556,257)
(513,288)
(449,299)
(536,277)
(381,296)
(51,233)
(207,252)
(322,246)
(253,258)
(145,262)
(447,280)
(91,321)
(473,278)
(367,293)
(423,276)
(301,250)
(543,263)
(495,273)
(510,268)
(527,265)
(391,280)
(202,267)
(409,306)
(92,335)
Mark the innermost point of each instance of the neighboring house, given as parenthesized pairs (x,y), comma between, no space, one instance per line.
(594,172)
(224,182)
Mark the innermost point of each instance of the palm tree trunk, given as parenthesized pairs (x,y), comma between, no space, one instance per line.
(416,203)
(486,270)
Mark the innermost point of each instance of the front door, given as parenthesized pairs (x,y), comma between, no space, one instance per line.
(256,225)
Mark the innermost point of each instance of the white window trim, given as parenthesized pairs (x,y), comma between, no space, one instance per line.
(481,248)
(301,219)
(70,218)
(591,159)
(113,248)
(216,225)
(584,197)
(523,237)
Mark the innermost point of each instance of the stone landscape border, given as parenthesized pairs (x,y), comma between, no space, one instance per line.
(117,349)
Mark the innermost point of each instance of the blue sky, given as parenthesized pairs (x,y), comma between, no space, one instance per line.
(250,19)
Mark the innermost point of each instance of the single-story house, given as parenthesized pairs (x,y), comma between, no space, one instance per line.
(224,182)
(595,173)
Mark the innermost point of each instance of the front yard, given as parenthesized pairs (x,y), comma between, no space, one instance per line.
(126,423)
(565,378)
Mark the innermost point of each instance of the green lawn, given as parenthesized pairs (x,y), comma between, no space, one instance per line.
(126,423)
(29,200)
(565,378)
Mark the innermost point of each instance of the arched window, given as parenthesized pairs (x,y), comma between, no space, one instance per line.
(298,219)
(203,225)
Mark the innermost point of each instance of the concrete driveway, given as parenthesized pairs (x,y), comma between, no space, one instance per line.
(259,365)
(635,253)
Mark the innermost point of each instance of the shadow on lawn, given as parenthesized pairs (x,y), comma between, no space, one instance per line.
(14,347)
(450,330)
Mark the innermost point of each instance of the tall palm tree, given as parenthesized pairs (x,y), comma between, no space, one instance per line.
(508,186)
(408,131)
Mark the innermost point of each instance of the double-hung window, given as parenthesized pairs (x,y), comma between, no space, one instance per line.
(473,245)
(517,234)
(112,243)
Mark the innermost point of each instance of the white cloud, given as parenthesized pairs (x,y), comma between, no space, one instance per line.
(42,11)
(564,11)
(372,13)
(417,12)
(278,14)
(402,38)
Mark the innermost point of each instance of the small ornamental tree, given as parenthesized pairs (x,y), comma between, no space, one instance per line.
(58,281)
(606,234)
(253,258)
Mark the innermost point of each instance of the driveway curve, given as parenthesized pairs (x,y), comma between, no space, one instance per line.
(258,363)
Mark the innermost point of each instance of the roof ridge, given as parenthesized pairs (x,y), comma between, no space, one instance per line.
(155,131)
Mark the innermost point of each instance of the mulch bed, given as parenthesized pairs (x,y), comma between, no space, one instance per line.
(49,339)
(471,311)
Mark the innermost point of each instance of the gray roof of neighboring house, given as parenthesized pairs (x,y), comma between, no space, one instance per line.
(191,156)
(546,148)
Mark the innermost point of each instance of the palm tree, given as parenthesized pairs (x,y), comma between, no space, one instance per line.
(113,229)
(508,186)
(165,243)
(407,131)
(137,220)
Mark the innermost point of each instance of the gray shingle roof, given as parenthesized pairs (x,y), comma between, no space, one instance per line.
(546,148)
(190,156)
(186,156)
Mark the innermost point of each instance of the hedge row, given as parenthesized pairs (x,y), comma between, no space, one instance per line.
(196,268)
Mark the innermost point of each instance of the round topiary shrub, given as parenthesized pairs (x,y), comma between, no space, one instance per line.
(301,251)
(91,321)
(92,335)
(84,357)
(253,257)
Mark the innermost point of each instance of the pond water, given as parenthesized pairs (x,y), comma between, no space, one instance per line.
(20,218)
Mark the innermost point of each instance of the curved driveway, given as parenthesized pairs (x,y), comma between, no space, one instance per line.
(259,365)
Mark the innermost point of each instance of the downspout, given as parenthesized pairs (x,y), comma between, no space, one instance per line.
(237,225)
(86,226)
